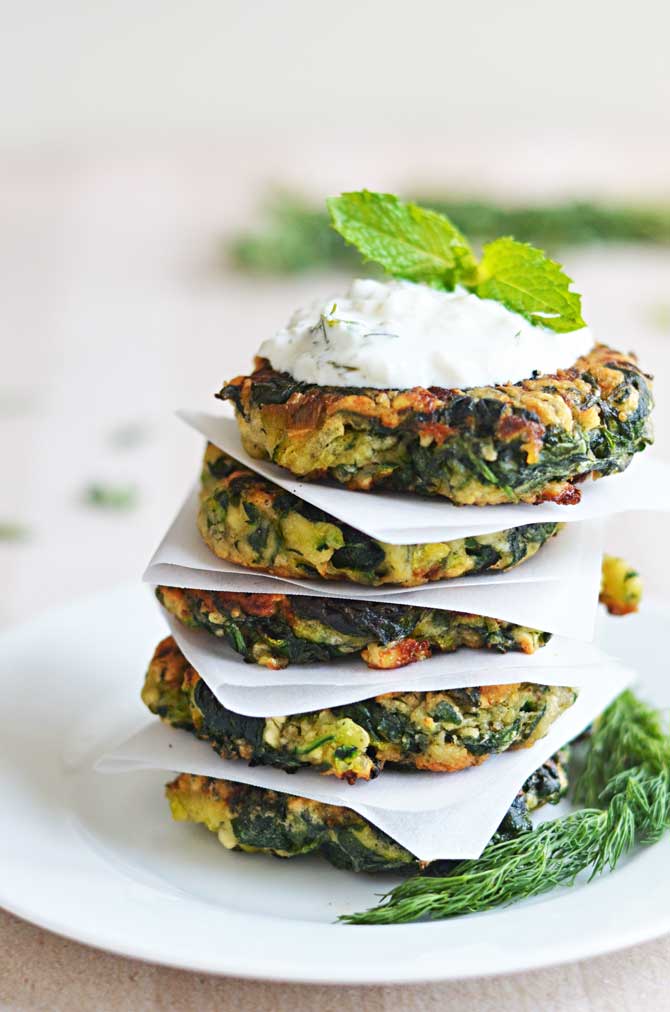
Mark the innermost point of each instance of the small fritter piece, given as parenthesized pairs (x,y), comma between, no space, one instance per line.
(246,519)
(439,731)
(523,442)
(620,587)
(257,820)
(276,630)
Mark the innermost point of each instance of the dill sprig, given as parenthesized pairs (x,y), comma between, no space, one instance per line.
(626,785)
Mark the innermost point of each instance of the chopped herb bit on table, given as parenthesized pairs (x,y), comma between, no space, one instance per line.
(109,496)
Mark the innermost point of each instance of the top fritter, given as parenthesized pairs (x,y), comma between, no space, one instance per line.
(473,381)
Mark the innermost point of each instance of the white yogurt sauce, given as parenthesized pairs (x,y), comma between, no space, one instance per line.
(398,334)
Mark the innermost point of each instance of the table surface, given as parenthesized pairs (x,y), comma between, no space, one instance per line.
(118,308)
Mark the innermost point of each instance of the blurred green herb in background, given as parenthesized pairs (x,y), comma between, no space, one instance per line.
(16,401)
(10,531)
(658,317)
(109,496)
(128,435)
(296,236)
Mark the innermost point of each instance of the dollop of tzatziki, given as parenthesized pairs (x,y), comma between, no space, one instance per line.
(398,334)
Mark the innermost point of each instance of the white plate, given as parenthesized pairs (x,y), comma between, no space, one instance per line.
(99,860)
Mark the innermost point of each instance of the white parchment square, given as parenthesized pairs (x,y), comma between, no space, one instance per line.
(259,692)
(556,591)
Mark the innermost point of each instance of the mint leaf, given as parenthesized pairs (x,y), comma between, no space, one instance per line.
(408,241)
(528,282)
(420,245)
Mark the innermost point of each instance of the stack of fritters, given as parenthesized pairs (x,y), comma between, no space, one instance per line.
(530,441)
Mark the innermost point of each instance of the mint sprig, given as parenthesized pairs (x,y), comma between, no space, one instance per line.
(525,280)
(408,241)
(423,246)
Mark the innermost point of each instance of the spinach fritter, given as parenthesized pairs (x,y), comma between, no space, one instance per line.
(439,731)
(247,519)
(257,820)
(520,442)
(276,630)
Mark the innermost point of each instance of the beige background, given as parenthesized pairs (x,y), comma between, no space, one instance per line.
(156,66)
(117,309)
(133,139)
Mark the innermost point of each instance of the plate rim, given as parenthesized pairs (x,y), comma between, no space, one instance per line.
(568,954)
(315,970)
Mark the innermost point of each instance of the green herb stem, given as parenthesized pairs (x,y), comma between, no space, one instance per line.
(306,749)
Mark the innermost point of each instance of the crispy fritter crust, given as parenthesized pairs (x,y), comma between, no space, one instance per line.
(529,441)
(276,630)
(438,731)
(250,521)
(257,820)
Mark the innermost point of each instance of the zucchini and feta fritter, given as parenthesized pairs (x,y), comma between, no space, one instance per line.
(246,519)
(529,441)
(439,731)
(276,630)
(257,820)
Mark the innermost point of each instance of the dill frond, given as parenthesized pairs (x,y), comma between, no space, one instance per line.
(625,785)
